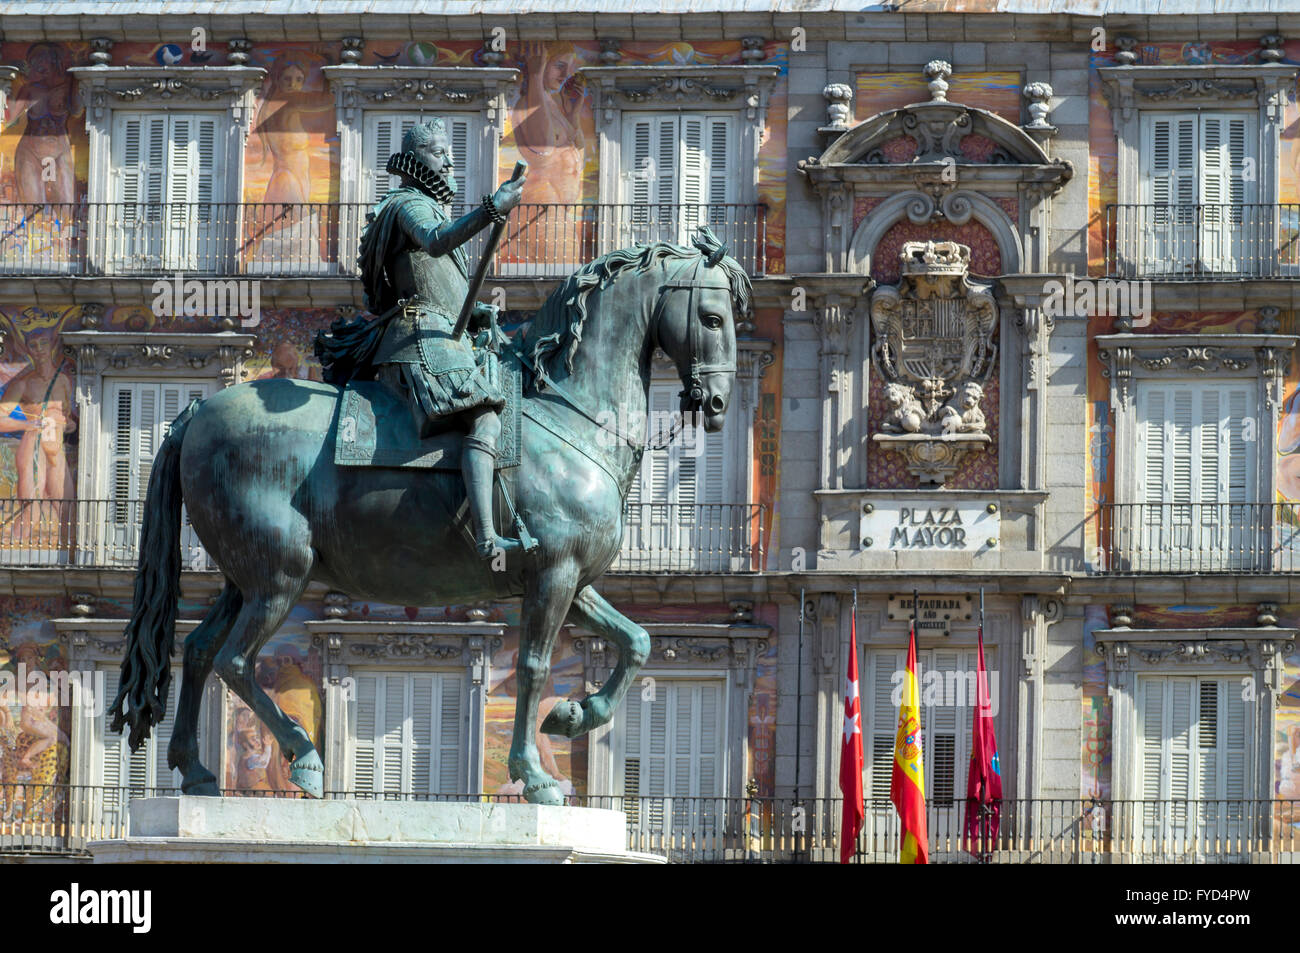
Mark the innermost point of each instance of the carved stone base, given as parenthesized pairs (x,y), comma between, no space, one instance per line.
(933,458)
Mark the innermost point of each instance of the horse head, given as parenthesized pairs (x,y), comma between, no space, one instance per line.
(694,323)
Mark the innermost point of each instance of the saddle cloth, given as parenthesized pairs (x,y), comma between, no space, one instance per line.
(374,426)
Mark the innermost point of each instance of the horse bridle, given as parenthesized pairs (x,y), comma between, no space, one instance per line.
(695,388)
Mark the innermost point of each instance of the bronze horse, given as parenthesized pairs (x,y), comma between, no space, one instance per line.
(254,467)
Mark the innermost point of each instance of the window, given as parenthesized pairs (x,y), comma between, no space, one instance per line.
(138,417)
(1198,191)
(408,732)
(677,175)
(673,747)
(946,680)
(123,773)
(1196,474)
(383,136)
(676,513)
(1193,740)
(163,192)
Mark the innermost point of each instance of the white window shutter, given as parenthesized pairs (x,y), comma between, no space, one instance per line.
(694,176)
(407,733)
(942,723)
(1169,185)
(364,719)
(883,727)
(464,134)
(1180,736)
(639,168)
(450,733)
(1151,729)
(666,158)
(1232,738)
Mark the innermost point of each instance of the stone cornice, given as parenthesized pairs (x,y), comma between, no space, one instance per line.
(359,87)
(107,87)
(1190,86)
(675,85)
(99,351)
(360,627)
(1205,634)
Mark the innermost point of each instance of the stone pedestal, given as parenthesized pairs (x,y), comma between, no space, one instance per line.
(281,830)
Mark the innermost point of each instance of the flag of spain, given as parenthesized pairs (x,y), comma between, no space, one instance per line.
(907,785)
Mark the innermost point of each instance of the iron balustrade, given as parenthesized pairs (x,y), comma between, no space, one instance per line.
(695,538)
(65,819)
(320,239)
(1191,242)
(1254,538)
(669,537)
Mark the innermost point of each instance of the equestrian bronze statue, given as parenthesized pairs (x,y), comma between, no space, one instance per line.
(380,481)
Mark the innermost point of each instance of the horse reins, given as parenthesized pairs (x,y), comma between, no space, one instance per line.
(695,391)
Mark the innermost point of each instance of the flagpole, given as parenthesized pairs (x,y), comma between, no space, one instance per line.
(981,697)
(798,705)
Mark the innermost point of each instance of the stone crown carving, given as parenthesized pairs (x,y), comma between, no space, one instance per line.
(934,351)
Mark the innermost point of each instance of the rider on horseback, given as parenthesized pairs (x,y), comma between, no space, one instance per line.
(415,275)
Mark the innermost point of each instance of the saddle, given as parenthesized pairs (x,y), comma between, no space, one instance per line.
(374,427)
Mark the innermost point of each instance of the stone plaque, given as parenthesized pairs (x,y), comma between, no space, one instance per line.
(934,614)
(930,526)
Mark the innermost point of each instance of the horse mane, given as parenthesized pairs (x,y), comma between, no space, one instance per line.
(557,327)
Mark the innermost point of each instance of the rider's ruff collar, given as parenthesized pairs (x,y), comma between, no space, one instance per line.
(431,183)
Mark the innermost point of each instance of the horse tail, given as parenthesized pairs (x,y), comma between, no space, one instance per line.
(141,699)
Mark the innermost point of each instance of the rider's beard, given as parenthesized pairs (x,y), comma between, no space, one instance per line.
(450,179)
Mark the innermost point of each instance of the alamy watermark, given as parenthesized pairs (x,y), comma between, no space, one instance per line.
(227,298)
(81,690)
(956,689)
(1090,297)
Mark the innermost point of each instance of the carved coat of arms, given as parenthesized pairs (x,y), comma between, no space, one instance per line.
(934,350)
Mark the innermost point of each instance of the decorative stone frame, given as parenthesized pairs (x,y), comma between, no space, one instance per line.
(352,645)
(620,90)
(923,191)
(106,89)
(1244,653)
(1257,88)
(727,652)
(1127,358)
(104,355)
(92,643)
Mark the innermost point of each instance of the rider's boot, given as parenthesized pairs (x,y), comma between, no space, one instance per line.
(478,461)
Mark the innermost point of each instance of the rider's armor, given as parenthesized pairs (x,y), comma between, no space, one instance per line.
(418,354)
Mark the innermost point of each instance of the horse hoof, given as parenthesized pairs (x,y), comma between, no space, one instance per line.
(546,792)
(565,719)
(308,773)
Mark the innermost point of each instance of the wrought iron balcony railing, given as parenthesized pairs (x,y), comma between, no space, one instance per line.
(1202,241)
(65,819)
(1255,538)
(707,538)
(703,538)
(260,240)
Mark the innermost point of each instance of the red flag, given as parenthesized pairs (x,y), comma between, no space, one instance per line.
(851,755)
(984,779)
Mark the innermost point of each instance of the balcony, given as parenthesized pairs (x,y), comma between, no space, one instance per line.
(63,819)
(1252,538)
(240,240)
(703,538)
(105,534)
(1202,242)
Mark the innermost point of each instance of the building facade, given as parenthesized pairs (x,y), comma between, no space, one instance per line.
(1022,339)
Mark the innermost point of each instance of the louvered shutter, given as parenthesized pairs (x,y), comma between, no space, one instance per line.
(407,733)
(884,684)
(695,176)
(1226,141)
(1195,469)
(383,137)
(138,189)
(1169,180)
(191,239)
(364,717)
(672,748)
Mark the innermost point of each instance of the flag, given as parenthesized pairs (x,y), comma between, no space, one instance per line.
(907,784)
(851,755)
(984,779)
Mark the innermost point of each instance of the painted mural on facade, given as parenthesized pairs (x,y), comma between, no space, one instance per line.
(35,731)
